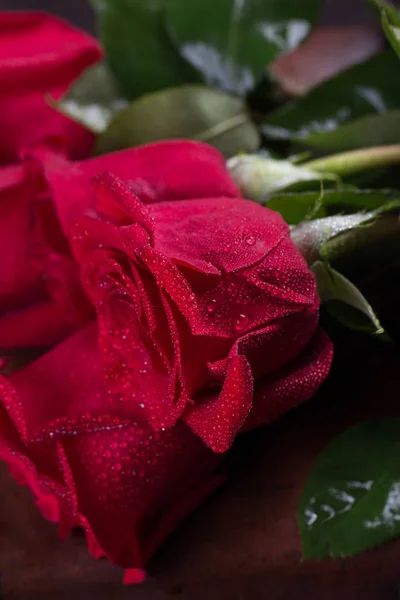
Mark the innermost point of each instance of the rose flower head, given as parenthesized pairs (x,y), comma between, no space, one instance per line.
(204,323)
(200,304)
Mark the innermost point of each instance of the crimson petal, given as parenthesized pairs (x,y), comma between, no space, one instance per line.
(40,54)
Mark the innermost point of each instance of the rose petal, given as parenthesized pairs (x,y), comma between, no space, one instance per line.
(218,417)
(295,383)
(174,170)
(40,54)
(20,274)
(38,325)
(125,484)
(216,235)
(36,393)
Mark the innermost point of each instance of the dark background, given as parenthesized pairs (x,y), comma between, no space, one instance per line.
(336,12)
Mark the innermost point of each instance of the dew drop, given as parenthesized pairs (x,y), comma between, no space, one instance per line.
(241,321)
(250,240)
(211,306)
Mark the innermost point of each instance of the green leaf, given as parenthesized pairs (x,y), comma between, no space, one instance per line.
(392,33)
(258,176)
(390,19)
(370,87)
(138,48)
(295,208)
(384,5)
(351,500)
(344,301)
(230,42)
(93,99)
(362,237)
(372,130)
(194,112)
(310,236)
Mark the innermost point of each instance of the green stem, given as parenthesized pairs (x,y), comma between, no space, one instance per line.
(354,161)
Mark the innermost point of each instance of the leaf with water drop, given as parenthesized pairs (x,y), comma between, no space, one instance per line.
(351,501)
(358,238)
(363,249)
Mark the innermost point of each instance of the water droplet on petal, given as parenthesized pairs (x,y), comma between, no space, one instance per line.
(250,240)
(241,321)
(211,306)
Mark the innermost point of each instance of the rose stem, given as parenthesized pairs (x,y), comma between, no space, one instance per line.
(348,163)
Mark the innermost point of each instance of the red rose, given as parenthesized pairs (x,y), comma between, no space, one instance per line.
(206,295)
(207,324)
(40,55)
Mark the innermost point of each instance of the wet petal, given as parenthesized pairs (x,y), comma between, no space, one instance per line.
(174,170)
(127,486)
